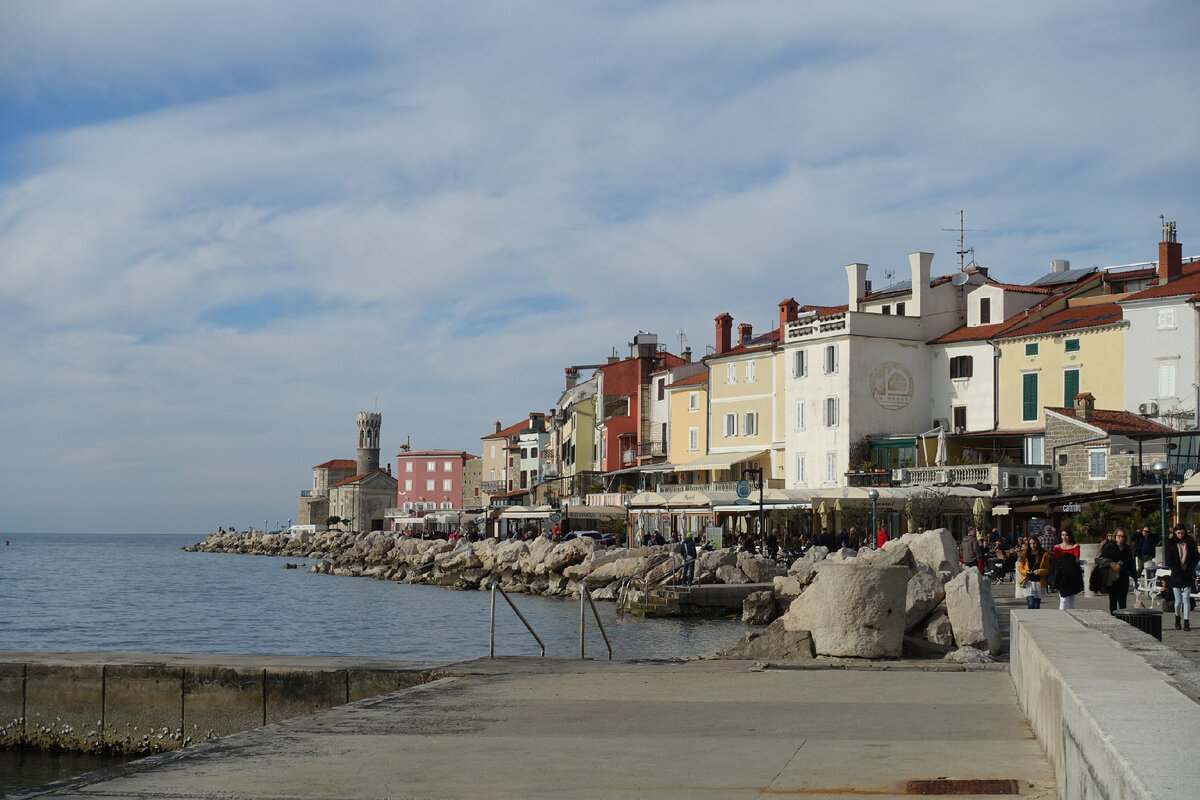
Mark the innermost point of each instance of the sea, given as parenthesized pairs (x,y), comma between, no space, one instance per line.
(145,593)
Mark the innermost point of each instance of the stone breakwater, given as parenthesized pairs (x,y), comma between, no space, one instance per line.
(538,566)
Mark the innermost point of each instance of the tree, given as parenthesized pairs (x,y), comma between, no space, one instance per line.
(928,509)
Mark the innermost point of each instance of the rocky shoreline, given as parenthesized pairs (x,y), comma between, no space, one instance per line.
(909,598)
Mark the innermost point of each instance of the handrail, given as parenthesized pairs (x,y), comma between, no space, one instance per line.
(623,588)
(584,594)
(492,643)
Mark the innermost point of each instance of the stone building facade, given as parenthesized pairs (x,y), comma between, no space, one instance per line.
(1095,450)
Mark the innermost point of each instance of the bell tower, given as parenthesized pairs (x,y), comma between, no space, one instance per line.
(368,441)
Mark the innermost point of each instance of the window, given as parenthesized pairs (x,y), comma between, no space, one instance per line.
(731,373)
(1166,318)
(985,310)
(899,309)
(408,486)
(750,427)
(961,366)
(799,415)
(493,451)
(1071,346)
(431,466)
(447,484)
(662,388)
(1166,380)
(831,412)
(1031,348)
(831,359)
(800,469)
(429,485)
(800,364)
(408,465)
(447,506)
(751,371)
(693,401)
(887,310)
(1029,397)
(960,418)
(730,425)
(831,467)
(1070,387)
(1035,449)
(1097,464)
(693,440)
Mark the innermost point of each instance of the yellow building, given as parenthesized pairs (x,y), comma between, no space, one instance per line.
(1047,363)
(688,430)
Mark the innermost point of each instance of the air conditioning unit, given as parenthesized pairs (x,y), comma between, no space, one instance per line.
(1148,409)
(944,424)
(1033,481)
(1012,480)
(1050,479)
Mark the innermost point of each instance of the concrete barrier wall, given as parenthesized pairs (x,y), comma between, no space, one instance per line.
(1113,724)
(147,703)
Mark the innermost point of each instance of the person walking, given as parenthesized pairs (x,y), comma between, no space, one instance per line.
(1146,549)
(1117,551)
(881,538)
(687,549)
(1033,570)
(969,550)
(1065,571)
(1181,557)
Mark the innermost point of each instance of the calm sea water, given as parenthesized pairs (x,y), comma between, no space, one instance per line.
(87,592)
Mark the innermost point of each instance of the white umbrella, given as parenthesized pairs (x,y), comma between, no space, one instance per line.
(940,457)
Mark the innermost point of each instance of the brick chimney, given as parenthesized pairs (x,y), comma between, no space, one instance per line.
(1170,255)
(498,426)
(745,333)
(724,333)
(788,311)
(1085,405)
(572,377)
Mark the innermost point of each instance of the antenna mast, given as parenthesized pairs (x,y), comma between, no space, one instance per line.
(962,251)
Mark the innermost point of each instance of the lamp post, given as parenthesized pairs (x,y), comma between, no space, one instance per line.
(1160,469)
(628,523)
(757,473)
(874,495)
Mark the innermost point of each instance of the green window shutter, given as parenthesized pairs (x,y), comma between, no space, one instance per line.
(1072,346)
(1070,387)
(1029,396)
(1031,348)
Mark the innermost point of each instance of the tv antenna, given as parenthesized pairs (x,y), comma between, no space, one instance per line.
(962,251)
(682,334)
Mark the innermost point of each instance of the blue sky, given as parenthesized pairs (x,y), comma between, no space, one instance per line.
(227,227)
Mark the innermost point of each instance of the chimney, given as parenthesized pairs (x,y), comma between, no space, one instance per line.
(745,333)
(788,311)
(1060,265)
(572,377)
(1170,255)
(1085,404)
(497,426)
(686,355)
(920,263)
(856,277)
(724,332)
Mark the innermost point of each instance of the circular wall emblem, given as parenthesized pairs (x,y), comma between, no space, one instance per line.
(892,385)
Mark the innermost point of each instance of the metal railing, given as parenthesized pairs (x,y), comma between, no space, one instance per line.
(643,576)
(584,594)
(517,611)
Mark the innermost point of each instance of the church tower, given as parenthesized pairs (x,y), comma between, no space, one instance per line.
(368,441)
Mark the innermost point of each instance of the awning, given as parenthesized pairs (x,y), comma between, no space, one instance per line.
(721,460)
(593,512)
(526,512)
(648,500)
(699,500)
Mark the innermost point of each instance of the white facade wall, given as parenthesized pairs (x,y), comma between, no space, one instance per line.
(1162,344)
(977,393)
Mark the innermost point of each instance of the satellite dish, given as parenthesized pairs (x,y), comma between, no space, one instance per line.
(960,278)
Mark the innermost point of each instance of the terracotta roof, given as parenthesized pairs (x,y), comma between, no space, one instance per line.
(1069,319)
(358,478)
(1117,422)
(979,332)
(764,342)
(699,379)
(517,493)
(824,311)
(1189,284)
(420,453)
(338,463)
(1017,287)
(511,430)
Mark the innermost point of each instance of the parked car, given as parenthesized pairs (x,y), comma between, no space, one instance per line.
(602,539)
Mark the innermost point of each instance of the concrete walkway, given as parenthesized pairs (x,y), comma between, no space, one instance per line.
(524,728)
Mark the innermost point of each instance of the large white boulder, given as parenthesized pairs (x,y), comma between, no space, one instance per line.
(731,575)
(926,591)
(936,548)
(757,568)
(853,609)
(973,612)
(568,553)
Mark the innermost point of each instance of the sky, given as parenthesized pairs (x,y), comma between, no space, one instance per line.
(225,228)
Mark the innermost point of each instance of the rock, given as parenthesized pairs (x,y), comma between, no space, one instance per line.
(936,548)
(926,591)
(711,560)
(803,568)
(853,610)
(613,571)
(936,629)
(775,643)
(758,608)
(917,647)
(969,655)
(787,587)
(757,568)
(568,553)
(973,612)
(730,574)
(894,553)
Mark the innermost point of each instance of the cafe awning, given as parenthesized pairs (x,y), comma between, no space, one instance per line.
(721,460)
(526,512)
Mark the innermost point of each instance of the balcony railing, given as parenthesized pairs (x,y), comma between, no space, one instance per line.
(652,449)
(493,487)
(628,457)
(1006,479)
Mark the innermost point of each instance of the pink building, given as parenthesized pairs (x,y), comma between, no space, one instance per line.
(429,480)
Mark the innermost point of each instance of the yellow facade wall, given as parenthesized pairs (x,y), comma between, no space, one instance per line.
(760,396)
(1100,362)
(683,418)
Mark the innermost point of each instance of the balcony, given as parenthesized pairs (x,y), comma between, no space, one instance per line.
(628,457)
(493,487)
(652,449)
(1003,479)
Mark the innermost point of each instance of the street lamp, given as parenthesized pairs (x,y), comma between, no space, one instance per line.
(1160,469)
(874,535)
(625,500)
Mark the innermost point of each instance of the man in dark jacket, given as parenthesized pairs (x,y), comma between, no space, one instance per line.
(1118,552)
(687,549)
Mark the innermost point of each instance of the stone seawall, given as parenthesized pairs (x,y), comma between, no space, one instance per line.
(142,703)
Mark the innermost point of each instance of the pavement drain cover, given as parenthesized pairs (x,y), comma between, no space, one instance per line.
(943,786)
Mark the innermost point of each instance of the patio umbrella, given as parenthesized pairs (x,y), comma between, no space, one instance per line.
(940,457)
(823,513)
